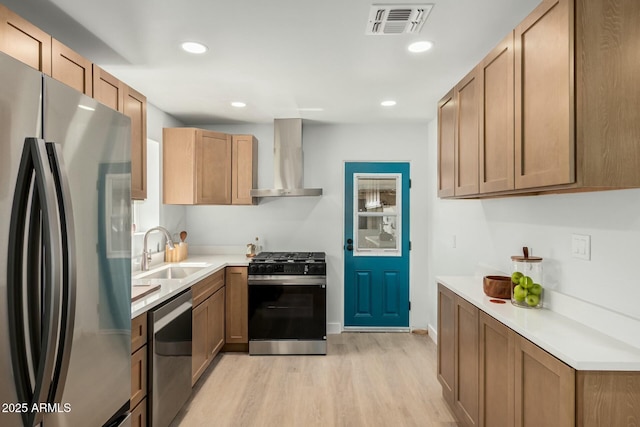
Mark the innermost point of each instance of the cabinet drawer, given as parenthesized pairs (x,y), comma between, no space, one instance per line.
(139,414)
(138,376)
(138,332)
(206,287)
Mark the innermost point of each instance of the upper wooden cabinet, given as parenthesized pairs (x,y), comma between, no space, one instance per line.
(458,119)
(244,169)
(107,89)
(24,41)
(27,43)
(208,168)
(71,68)
(573,107)
(466,136)
(196,165)
(135,107)
(544,94)
(446,144)
(496,119)
(113,93)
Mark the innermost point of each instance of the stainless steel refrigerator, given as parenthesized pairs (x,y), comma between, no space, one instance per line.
(65,255)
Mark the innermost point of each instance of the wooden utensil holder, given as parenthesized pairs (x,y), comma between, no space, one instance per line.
(177,254)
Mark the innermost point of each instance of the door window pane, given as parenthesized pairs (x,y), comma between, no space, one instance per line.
(375,194)
(377,214)
(377,232)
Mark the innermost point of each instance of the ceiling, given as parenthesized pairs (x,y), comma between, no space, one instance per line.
(280,57)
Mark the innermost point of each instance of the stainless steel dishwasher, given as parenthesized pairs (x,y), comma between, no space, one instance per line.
(170,364)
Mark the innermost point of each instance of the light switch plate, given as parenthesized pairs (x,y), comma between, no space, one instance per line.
(581,246)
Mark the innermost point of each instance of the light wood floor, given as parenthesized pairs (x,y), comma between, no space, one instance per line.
(366,379)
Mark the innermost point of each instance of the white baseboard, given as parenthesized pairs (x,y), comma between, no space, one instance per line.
(334,328)
(433,334)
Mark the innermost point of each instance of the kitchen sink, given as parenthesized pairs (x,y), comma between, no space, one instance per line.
(173,273)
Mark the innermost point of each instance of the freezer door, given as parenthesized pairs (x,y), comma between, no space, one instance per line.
(20,112)
(95,146)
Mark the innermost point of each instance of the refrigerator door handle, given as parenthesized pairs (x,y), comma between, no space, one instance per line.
(69,273)
(34,179)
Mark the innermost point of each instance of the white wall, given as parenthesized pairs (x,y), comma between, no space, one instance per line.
(490,231)
(316,223)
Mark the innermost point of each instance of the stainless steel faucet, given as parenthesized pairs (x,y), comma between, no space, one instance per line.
(146,256)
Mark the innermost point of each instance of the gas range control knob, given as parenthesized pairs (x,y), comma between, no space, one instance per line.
(269,269)
(253,268)
(261,268)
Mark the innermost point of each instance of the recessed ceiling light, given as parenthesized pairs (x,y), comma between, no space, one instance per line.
(419,47)
(194,47)
(310,109)
(388,103)
(238,104)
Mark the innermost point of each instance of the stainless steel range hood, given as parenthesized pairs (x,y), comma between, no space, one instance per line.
(288,165)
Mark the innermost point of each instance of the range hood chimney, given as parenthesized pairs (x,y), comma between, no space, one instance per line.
(288,165)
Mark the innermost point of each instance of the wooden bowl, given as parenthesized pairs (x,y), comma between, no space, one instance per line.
(497,286)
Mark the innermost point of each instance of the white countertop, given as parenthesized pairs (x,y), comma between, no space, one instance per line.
(577,345)
(171,288)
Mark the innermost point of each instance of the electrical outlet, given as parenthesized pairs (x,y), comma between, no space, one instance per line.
(581,246)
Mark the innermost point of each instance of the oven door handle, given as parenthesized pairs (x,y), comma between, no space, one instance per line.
(287,281)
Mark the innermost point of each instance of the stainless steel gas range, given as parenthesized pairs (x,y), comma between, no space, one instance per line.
(288,303)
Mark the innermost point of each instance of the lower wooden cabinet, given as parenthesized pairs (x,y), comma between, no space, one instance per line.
(544,387)
(199,355)
(465,392)
(237,309)
(216,326)
(208,322)
(493,377)
(500,378)
(458,355)
(138,401)
(139,414)
(446,342)
(496,356)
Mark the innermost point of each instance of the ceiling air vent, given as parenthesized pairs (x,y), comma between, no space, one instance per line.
(389,19)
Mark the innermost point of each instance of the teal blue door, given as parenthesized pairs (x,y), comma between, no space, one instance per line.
(376,245)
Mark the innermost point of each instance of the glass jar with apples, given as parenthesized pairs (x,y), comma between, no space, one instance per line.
(527,287)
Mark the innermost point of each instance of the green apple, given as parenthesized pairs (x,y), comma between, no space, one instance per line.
(519,293)
(532,300)
(515,277)
(526,282)
(536,289)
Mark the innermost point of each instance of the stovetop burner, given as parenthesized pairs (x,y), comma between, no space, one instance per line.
(288,263)
(289,257)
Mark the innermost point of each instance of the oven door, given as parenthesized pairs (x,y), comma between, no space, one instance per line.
(287,308)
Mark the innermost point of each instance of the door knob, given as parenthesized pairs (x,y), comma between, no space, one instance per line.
(349,241)
(349,247)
